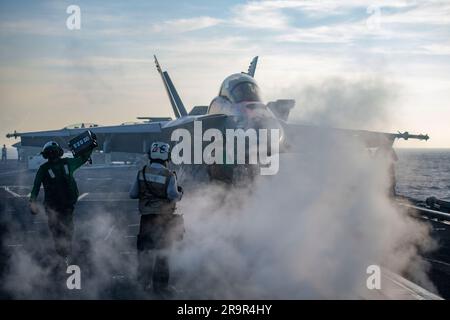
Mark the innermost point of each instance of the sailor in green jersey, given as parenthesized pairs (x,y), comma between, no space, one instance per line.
(61,194)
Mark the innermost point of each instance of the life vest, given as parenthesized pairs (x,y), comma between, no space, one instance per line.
(60,188)
(153,184)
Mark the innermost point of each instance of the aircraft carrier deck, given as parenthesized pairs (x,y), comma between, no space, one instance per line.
(104,191)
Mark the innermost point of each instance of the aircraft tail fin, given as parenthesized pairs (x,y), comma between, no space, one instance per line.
(177,105)
(252,67)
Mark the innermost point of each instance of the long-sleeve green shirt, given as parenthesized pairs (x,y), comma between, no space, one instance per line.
(57,168)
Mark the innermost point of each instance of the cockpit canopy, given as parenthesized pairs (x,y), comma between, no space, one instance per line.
(240,87)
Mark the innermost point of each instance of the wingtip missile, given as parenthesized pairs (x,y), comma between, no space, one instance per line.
(13,135)
(406,135)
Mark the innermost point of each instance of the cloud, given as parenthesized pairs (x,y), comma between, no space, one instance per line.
(274,15)
(426,13)
(346,22)
(32,27)
(438,49)
(186,25)
(262,15)
(94,62)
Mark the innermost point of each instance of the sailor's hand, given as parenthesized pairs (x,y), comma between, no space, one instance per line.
(180,189)
(33,207)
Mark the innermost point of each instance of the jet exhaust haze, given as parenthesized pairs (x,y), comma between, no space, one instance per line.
(312,230)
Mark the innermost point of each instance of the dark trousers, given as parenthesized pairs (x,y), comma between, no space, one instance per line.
(156,236)
(60,223)
(153,269)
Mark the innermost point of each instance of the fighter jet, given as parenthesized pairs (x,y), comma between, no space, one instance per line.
(238,105)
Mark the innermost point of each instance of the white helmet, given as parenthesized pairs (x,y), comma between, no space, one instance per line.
(159,151)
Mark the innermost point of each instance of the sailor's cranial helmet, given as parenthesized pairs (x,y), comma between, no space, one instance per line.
(159,151)
(52,150)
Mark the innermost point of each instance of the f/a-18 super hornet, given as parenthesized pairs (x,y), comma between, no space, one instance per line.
(237,106)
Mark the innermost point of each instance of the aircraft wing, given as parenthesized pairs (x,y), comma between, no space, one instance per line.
(135,138)
(122,138)
(301,134)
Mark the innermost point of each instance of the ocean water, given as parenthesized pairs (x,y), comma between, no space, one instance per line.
(423,173)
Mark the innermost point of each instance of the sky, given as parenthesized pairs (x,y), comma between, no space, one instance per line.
(383,64)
